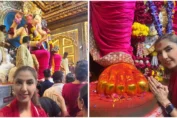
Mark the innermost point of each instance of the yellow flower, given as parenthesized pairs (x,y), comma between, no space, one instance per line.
(33,29)
(154,53)
(37,38)
(31,36)
(139,29)
(152,72)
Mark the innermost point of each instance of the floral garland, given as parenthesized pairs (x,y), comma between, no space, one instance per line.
(142,14)
(159,5)
(154,13)
(158,25)
(139,32)
(169,9)
(140,29)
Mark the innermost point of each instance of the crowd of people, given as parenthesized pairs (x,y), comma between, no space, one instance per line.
(58,95)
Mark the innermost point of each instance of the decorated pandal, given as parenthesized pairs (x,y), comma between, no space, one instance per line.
(27,22)
(122,88)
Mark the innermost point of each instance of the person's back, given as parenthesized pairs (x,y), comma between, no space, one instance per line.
(46,84)
(24,57)
(57,86)
(50,107)
(71,90)
(57,60)
(70,94)
(55,92)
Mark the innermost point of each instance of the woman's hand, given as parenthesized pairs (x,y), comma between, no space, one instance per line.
(160,91)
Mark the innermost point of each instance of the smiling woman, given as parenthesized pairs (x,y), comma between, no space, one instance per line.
(166,48)
(26,102)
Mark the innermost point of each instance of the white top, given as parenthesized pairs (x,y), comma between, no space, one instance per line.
(65,65)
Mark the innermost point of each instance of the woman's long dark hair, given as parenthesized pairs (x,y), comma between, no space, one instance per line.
(35,98)
(84,95)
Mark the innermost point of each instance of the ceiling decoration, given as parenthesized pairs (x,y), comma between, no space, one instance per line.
(60,10)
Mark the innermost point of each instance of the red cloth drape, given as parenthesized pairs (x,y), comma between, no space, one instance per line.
(112,25)
(175,19)
(173,88)
(12,110)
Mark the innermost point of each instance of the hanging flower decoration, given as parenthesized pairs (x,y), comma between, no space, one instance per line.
(159,5)
(139,31)
(161,14)
(142,14)
(170,7)
(155,16)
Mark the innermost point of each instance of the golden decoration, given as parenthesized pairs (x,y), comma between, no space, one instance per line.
(122,78)
(30,8)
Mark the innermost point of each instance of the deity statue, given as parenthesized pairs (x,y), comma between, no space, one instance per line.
(37,34)
(13,31)
(5,67)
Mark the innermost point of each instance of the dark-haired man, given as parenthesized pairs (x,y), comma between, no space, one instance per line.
(46,84)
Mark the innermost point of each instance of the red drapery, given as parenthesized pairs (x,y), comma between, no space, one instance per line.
(175,19)
(173,88)
(112,25)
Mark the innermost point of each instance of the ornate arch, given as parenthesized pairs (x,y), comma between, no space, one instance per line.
(8,6)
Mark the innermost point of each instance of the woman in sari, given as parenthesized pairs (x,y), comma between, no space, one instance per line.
(166,48)
(26,102)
